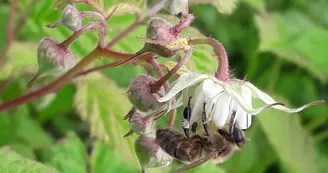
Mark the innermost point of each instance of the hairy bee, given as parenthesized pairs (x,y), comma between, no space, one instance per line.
(217,146)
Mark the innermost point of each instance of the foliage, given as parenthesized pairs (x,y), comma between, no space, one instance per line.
(280,45)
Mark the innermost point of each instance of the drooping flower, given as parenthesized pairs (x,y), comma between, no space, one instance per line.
(222,99)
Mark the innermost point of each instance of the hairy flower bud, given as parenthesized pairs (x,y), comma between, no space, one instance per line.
(52,59)
(172,6)
(160,30)
(141,96)
(139,124)
(71,18)
(149,153)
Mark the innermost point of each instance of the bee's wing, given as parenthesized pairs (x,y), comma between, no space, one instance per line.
(195,164)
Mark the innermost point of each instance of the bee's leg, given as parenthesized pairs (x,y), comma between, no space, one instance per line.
(186,118)
(194,127)
(205,125)
(232,123)
(235,133)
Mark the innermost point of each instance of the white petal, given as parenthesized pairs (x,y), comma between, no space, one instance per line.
(211,92)
(269,100)
(184,81)
(211,89)
(187,93)
(221,110)
(211,108)
(243,119)
(233,89)
(197,104)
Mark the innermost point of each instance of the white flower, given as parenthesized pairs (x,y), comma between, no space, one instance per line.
(222,99)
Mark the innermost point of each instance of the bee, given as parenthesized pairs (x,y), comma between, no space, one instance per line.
(217,146)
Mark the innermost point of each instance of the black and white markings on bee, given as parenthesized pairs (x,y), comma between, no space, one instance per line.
(186,120)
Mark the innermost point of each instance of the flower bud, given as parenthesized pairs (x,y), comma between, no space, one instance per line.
(149,153)
(139,124)
(71,18)
(160,30)
(52,59)
(141,96)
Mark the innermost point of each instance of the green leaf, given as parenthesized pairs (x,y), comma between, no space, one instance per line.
(12,162)
(30,130)
(60,103)
(106,160)
(223,6)
(103,104)
(4,12)
(68,156)
(21,59)
(123,8)
(100,3)
(296,38)
(292,142)
(171,64)
(23,149)
(257,4)
(60,4)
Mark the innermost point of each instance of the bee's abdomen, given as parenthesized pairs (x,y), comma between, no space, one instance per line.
(168,140)
(176,145)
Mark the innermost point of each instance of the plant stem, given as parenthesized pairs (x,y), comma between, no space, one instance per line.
(66,43)
(158,69)
(172,115)
(10,30)
(222,72)
(93,14)
(98,68)
(3,86)
(160,83)
(94,5)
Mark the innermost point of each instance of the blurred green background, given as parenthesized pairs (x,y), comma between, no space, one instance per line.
(281,45)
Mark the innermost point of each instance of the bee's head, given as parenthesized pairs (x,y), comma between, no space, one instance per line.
(234,135)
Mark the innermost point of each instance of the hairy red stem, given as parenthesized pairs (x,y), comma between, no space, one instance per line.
(66,43)
(158,69)
(222,72)
(10,30)
(160,83)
